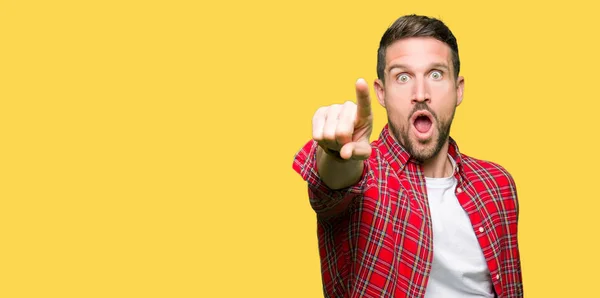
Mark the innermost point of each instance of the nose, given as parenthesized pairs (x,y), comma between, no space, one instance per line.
(421,91)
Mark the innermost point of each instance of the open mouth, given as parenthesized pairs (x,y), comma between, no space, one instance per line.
(423,123)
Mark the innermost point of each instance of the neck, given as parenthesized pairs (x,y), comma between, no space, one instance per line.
(439,166)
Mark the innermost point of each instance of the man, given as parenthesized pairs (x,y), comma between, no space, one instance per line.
(409,215)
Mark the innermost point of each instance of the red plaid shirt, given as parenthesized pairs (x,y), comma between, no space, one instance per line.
(375,238)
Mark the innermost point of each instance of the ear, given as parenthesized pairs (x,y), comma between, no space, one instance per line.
(460,89)
(380,91)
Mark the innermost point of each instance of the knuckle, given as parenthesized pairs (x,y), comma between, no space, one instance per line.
(351,108)
(328,135)
(317,120)
(317,136)
(334,110)
(343,134)
(319,113)
(343,131)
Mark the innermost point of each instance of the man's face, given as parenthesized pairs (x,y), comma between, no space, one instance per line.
(420,94)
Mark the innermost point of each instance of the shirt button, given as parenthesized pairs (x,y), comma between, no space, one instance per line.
(458,190)
(497,276)
(481,229)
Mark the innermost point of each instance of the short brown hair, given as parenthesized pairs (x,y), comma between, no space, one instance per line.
(416,26)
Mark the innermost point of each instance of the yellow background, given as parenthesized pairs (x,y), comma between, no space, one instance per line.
(146,146)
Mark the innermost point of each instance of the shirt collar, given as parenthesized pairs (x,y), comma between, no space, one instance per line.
(398,157)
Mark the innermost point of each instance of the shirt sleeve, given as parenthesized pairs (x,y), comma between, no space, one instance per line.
(512,260)
(325,201)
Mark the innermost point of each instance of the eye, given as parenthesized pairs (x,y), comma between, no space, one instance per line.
(403,78)
(436,74)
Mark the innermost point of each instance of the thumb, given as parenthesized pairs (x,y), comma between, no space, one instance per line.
(356,150)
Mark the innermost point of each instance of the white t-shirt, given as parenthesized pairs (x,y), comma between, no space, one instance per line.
(459,268)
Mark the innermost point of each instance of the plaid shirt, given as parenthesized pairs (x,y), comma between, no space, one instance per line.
(375,237)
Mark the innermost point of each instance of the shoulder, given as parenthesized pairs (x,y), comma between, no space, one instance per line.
(486,170)
(491,180)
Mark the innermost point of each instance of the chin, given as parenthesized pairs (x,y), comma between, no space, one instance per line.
(419,149)
(424,152)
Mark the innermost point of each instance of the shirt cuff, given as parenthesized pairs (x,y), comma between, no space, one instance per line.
(322,198)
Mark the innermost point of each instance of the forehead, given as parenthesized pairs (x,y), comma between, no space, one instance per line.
(417,52)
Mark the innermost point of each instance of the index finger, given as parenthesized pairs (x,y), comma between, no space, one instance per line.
(363,100)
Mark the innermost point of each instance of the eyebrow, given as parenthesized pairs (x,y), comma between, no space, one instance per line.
(434,65)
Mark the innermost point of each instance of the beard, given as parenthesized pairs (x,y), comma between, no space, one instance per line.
(435,144)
